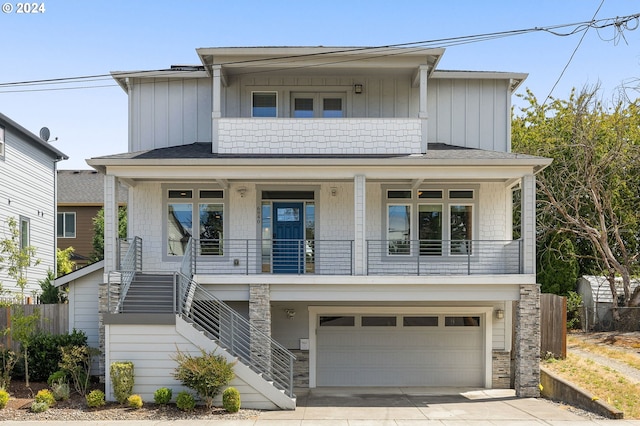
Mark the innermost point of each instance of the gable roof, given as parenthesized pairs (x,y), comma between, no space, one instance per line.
(600,287)
(33,139)
(78,273)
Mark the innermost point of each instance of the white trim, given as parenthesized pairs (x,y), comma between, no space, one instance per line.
(485,311)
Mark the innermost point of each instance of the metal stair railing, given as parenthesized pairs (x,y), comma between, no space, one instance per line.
(129,264)
(235,333)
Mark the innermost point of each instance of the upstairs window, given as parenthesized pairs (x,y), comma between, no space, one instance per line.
(264,104)
(318,105)
(66,225)
(24,233)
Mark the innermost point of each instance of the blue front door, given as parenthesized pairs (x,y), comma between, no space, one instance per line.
(288,238)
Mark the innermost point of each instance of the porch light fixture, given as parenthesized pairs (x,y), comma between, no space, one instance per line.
(334,191)
(499,313)
(290,313)
(242,191)
(357,89)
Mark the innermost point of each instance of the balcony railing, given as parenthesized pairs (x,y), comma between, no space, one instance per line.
(337,257)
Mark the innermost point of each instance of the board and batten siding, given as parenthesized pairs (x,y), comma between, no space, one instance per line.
(151,348)
(169,112)
(27,182)
(470,113)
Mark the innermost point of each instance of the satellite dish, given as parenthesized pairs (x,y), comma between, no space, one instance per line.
(45,134)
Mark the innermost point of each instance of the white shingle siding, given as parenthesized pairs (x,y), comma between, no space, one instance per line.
(319,136)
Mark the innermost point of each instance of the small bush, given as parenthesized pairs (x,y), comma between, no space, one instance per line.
(231,400)
(162,396)
(4,398)
(61,390)
(39,407)
(95,399)
(8,360)
(134,401)
(206,374)
(45,396)
(44,352)
(57,376)
(76,362)
(122,380)
(185,401)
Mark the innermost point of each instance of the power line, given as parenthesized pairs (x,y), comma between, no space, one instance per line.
(618,22)
(584,34)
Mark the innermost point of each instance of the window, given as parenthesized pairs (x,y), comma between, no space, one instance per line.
(24,233)
(1,142)
(337,321)
(462,321)
(205,209)
(317,105)
(66,225)
(378,321)
(431,321)
(443,221)
(264,104)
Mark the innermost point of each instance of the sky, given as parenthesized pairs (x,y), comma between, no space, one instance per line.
(71,38)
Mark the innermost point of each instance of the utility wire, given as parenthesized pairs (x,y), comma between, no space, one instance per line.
(393,49)
(584,34)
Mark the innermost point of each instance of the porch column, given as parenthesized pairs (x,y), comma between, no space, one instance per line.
(110,223)
(216,107)
(423,113)
(360,237)
(528,224)
(527,344)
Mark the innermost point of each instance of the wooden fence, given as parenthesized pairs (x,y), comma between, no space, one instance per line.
(553,325)
(54,319)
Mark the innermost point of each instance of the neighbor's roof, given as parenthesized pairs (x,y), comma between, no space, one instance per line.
(30,137)
(84,187)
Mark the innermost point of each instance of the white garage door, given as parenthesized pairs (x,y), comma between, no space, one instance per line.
(400,350)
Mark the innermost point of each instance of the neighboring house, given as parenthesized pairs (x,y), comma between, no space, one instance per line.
(80,198)
(28,194)
(327,216)
(597,299)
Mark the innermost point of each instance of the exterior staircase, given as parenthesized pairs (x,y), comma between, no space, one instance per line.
(150,293)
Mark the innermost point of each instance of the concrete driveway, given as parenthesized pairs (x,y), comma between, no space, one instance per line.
(419,406)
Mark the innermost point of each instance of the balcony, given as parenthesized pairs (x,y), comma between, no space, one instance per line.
(339,136)
(332,257)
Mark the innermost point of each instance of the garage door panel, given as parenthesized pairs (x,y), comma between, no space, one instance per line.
(400,356)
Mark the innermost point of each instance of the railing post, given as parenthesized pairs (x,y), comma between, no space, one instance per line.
(246,261)
(467,243)
(175,299)
(418,258)
(290,377)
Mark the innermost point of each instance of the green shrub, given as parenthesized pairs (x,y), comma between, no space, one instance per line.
(95,399)
(39,407)
(45,355)
(207,374)
(231,400)
(574,306)
(185,401)
(76,362)
(8,359)
(57,376)
(162,396)
(60,390)
(4,398)
(134,401)
(122,380)
(45,396)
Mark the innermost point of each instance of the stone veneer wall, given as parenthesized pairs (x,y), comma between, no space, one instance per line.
(260,317)
(501,375)
(300,369)
(527,344)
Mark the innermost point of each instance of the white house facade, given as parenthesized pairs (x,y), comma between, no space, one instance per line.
(28,196)
(328,216)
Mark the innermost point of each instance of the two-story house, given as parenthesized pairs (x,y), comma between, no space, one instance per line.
(80,199)
(329,216)
(28,196)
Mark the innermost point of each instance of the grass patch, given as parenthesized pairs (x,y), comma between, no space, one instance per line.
(604,383)
(620,355)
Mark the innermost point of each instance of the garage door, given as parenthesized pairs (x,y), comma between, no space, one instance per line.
(400,350)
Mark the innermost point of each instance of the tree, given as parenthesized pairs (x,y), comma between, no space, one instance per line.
(64,264)
(19,258)
(557,265)
(50,293)
(98,232)
(592,189)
